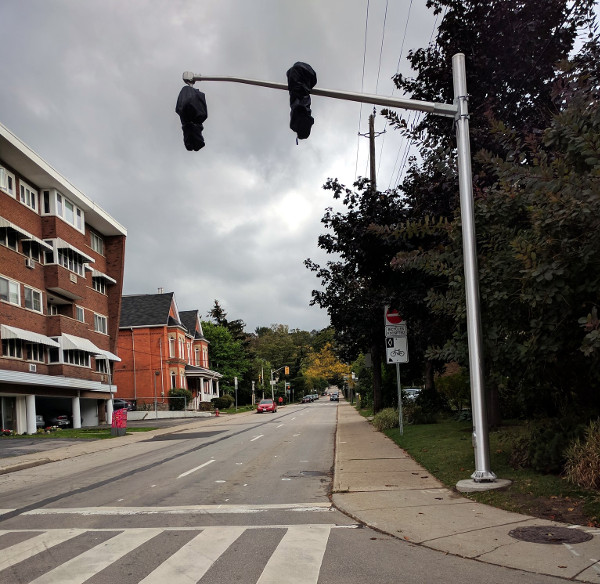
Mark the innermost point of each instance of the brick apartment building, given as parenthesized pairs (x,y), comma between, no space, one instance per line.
(61,273)
(162,349)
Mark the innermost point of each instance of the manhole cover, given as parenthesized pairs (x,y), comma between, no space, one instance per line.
(553,535)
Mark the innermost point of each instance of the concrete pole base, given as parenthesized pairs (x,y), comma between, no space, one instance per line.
(471,486)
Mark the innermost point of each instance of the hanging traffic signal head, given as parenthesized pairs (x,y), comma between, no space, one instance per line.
(301,79)
(191,107)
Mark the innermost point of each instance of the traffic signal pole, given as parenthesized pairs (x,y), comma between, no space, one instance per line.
(458,111)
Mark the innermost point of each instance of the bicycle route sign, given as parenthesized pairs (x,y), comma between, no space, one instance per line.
(396,342)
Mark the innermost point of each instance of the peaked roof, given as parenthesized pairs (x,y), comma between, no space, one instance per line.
(147,310)
(191,321)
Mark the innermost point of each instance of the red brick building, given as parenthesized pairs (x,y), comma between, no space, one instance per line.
(162,349)
(61,273)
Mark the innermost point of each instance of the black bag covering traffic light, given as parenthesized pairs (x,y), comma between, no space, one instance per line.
(191,107)
(301,79)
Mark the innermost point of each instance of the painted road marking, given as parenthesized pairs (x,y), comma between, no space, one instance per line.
(256,437)
(189,472)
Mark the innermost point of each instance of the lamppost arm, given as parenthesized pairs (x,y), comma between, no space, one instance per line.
(440,109)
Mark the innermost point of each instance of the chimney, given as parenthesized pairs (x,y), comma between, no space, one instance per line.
(160,291)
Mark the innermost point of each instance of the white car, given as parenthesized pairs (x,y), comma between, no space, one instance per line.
(411,393)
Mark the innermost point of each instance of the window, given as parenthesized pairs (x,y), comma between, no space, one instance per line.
(196,357)
(8,237)
(171,347)
(28,196)
(76,357)
(101,366)
(99,284)
(54,203)
(12,348)
(97,243)
(79,314)
(68,257)
(33,299)
(7,182)
(10,291)
(173,380)
(35,352)
(100,324)
(181,348)
(32,250)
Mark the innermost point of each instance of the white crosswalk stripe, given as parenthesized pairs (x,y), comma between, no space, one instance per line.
(298,555)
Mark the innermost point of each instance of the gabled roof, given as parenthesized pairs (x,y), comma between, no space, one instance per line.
(147,310)
(191,321)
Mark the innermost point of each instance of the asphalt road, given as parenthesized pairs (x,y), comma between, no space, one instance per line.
(242,500)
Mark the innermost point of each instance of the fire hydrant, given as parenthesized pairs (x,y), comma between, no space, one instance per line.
(217,412)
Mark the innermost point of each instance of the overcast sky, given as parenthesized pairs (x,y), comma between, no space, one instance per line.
(91,86)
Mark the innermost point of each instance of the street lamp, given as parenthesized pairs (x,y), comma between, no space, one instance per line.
(156,374)
(459,112)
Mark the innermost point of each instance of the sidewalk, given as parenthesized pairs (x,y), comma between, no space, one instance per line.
(377,483)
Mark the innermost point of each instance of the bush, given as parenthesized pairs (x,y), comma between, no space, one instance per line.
(223,402)
(582,466)
(414,413)
(180,398)
(386,419)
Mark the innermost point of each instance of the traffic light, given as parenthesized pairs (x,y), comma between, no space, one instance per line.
(191,107)
(301,79)
(286,370)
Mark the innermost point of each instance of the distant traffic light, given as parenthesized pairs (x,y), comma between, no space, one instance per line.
(286,370)
(301,79)
(191,107)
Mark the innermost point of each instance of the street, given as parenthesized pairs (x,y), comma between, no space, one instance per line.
(238,499)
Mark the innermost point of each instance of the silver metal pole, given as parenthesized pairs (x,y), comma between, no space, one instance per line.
(480,428)
(400,421)
(440,109)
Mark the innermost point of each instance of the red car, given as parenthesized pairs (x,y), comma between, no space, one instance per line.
(266,405)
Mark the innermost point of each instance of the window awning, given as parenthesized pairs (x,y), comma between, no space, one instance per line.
(11,332)
(106,355)
(25,235)
(62,244)
(98,274)
(73,343)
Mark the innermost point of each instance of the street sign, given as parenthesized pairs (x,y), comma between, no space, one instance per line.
(396,350)
(392,316)
(398,330)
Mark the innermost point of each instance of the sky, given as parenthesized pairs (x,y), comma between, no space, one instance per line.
(91,87)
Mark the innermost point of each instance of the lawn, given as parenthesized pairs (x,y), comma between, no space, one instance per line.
(446,451)
(79,433)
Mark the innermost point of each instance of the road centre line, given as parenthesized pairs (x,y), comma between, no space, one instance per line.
(189,472)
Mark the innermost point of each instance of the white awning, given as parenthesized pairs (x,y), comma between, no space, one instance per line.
(62,244)
(106,355)
(71,343)
(26,235)
(99,274)
(11,332)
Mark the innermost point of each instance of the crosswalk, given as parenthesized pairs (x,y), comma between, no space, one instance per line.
(74,555)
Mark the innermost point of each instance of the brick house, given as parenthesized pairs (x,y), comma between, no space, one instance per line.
(61,273)
(161,349)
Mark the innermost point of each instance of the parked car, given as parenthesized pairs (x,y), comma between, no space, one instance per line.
(266,405)
(411,393)
(315,396)
(60,420)
(120,404)
(307,399)
(39,421)
(334,396)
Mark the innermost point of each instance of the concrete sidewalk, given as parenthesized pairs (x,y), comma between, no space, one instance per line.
(377,483)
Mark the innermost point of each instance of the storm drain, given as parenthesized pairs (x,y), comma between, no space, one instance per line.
(552,535)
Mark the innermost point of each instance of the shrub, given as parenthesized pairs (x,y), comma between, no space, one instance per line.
(180,397)
(582,466)
(223,402)
(455,388)
(414,413)
(386,419)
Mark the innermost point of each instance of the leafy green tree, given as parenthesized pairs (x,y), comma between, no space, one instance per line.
(227,355)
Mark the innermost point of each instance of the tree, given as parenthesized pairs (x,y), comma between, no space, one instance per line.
(324,364)
(235,327)
(227,355)
(538,250)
